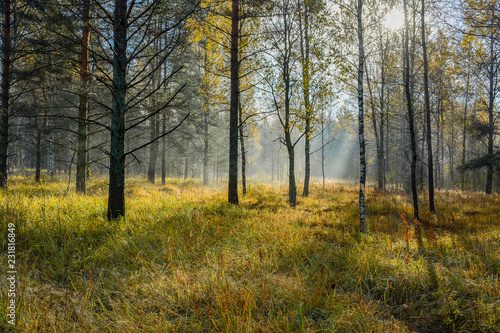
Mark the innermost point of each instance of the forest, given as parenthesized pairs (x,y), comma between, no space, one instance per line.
(250,166)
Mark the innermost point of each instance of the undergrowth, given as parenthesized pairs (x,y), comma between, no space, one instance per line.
(183,260)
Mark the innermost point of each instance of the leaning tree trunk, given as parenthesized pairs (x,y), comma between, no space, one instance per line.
(81,158)
(6,64)
(430,164)
(361,124)
(233,115)
(116,198)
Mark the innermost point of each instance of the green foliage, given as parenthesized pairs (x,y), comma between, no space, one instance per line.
(488,160)
(185,261)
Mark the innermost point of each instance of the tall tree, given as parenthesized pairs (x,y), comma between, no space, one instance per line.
(154,122)
(81,159)
(361,120)
(428,132)
(234,104)
(481,20)
(411,118)
(116,199)
(284,37)
(126,50)
(6,82)
(306,80)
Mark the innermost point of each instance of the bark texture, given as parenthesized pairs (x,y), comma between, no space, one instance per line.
(430,164)
(233,117)
(361,123)
(163,150)
(116,198)
(411,120)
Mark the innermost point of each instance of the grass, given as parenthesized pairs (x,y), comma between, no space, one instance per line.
(184,260)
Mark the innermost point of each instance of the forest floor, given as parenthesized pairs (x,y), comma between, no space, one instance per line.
(185,261)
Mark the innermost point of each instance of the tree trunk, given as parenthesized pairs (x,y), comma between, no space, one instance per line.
(380,151)
(361,122)
(381,155)
(438,143)
(272,162)
(411,119)
(163,149)
(153,151)
(70,167)
(205,150)
(386,144)
(292,187)
(306,79)
(491,120)
(278,171)
(116,198)
(233,116)
(216,166)
(323,150)
(376,132)
(205,141)
(430,164)
(464,131)
(50,158)
(441,116)
(6,64)
(243,154)
(38,155)
(186,162)
(81,158)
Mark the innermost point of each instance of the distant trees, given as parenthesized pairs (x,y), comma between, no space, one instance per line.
(282,36)
(317,30)
(143,32)
(481,22)
(109,79)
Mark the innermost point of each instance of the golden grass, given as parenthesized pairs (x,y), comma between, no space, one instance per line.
(183,260)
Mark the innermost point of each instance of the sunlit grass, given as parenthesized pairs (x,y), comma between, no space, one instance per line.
(184,260)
